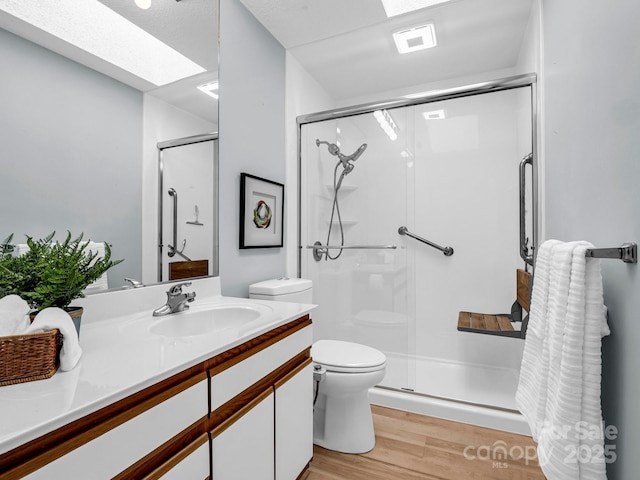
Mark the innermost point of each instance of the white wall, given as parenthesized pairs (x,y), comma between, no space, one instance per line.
(592,120)
(252,138)
(303,95)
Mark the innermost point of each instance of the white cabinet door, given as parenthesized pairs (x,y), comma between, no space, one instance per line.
(294,424)
(244,450)
(194,466)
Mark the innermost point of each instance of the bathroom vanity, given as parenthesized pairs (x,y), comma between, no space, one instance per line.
(222,391)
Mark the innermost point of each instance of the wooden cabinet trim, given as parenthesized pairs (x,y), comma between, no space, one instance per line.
(164,458)
(232,407)
(293,373)
(241,412)
(237,354)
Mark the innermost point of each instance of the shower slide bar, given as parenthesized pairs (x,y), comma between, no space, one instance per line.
(628,253)
(319,250)
(353,247)
(448,251)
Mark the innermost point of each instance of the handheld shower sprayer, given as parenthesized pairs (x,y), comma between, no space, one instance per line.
(347,167)
(344,159)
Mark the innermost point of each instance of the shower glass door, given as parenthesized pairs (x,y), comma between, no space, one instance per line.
(447,171)
(188,232)
(363,293)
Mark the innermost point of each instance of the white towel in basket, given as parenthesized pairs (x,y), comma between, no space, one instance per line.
(51,318)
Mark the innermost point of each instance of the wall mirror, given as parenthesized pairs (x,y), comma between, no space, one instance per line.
(90,89)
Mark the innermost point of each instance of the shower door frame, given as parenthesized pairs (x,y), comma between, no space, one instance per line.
(507,83)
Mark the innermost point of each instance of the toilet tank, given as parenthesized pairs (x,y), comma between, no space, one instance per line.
(283,290)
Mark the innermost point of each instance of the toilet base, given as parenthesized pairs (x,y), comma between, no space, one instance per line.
(344,423)
(342,418)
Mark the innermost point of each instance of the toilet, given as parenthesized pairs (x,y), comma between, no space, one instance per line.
(343,374)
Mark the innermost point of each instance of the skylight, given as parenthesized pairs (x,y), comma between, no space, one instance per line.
(398,7)
(91,26)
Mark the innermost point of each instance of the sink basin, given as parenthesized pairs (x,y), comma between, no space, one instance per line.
(190,323)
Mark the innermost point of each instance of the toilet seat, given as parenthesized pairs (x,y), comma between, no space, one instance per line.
(347,357)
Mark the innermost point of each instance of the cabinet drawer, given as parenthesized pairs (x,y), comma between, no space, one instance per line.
(117,449)
(230,382)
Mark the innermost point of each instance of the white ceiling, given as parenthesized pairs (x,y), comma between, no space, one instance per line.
(347,45)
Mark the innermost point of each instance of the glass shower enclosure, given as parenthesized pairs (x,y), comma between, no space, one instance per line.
(445,169)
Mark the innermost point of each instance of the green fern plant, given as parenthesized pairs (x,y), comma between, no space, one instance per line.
(51,274)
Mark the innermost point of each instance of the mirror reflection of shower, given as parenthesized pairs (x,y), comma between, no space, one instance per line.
(346,161)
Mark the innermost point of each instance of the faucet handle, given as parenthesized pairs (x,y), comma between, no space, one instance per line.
(177,288)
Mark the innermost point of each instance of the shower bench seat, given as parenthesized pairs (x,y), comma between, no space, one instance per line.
(502,324)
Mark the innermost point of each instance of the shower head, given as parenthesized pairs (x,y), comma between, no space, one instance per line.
(355,155)
(345,159)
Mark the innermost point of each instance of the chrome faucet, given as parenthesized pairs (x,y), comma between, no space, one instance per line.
(132,283)
(176,300)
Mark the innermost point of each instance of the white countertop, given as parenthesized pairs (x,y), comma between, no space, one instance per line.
(121,356)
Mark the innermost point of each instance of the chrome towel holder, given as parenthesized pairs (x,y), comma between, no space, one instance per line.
(628,253)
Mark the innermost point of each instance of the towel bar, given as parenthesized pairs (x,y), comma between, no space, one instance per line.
(628,253)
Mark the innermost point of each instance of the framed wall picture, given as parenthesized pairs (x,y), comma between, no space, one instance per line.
(261,212)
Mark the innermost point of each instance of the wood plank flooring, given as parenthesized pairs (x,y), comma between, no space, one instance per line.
(412,447)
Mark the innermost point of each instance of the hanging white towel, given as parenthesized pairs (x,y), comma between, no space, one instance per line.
(101,283)
(51,318)
(560,376)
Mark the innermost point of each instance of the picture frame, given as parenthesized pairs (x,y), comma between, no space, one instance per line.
(261,212)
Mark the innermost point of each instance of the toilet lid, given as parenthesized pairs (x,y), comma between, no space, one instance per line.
(346,355)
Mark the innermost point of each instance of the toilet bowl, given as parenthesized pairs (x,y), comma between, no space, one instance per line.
(343,374)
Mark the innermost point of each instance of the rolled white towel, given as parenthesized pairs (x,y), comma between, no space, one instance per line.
(14,315)
(51,318)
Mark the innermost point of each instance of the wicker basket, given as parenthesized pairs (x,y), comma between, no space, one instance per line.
(24,358)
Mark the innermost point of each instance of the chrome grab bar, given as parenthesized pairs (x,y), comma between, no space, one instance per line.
(448,251)
(172,248)
(524,241)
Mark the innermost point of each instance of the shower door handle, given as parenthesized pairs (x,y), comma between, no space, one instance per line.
(524,241)
(448,251)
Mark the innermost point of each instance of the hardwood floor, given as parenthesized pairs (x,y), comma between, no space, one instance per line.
(412,447)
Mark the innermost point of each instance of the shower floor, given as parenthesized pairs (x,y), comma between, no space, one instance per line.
(463,382)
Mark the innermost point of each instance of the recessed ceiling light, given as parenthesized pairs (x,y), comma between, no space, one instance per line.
(416,38)
(210,89)
(385,120)
(434,115)
(98,30)
(398,7)
(143,4)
